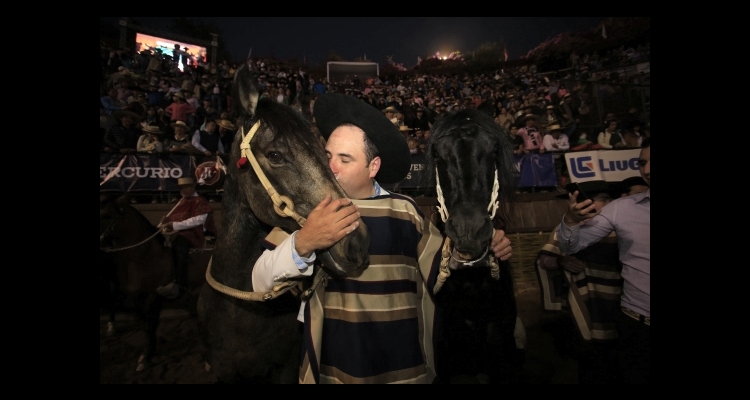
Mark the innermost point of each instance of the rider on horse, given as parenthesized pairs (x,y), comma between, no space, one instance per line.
(185,227)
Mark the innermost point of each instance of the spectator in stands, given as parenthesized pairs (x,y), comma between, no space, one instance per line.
(516,140)
(180,141)
(154,95)
(610,138)
(407,132)
(206,112)
(381,105)
(610,116)
(569,114)
(227,131)
(123,136)
(154,65)
(124,90)
(319,87)
(152,139)
(214,90)
(396,101)
(632,119)
(179,110)
(439,110)
(419,120)
(207,140)
(190,98)
(413,144)
(581,142)
(281,96)
(153,116)
(632,141)
(555,141)
(532,139)
(551,116)
(390,113)
(504,118)
(110,103)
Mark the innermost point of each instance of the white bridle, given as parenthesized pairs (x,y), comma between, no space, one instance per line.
(447,252)
(491,208)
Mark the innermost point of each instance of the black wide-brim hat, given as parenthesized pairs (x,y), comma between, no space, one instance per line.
(334,109)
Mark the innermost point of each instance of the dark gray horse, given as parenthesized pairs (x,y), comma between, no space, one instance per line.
(251,337)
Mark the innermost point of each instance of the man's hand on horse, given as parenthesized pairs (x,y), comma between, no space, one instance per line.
(500,245)
(327,223)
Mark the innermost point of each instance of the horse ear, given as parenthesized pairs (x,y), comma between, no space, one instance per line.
(246,92)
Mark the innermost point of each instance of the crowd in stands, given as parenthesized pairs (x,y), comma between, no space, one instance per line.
(148,104)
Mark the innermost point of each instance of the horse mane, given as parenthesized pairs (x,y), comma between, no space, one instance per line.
(470,122)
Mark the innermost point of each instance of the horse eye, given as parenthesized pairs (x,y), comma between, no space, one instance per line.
(274,157)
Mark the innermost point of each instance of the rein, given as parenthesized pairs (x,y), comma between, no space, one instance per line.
(111,226)
(284,206)
(447,252)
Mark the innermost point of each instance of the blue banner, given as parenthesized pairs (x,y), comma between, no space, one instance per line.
(536,170)
(133,172)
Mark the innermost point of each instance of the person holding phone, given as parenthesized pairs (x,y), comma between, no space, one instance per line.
(585,286)
(630,218)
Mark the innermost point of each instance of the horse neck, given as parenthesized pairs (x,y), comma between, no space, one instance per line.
(134,228)
(238,246)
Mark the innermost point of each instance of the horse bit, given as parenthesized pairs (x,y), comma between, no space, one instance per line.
(447,252)
(284,206)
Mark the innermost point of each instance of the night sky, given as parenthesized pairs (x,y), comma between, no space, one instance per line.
(405,38)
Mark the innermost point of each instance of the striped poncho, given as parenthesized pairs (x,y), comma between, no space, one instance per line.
(377,327)
(593,296)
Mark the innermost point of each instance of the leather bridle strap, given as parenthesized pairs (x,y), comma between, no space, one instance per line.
(283,205)
(286,211)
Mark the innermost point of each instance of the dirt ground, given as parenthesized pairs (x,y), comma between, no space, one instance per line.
(548,358)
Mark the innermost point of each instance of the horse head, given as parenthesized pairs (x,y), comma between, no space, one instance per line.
(281,171)
(473,163)
(111,209)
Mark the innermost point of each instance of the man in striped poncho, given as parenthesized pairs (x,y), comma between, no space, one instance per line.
(375,327)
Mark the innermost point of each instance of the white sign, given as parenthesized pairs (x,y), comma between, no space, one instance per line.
(604,165)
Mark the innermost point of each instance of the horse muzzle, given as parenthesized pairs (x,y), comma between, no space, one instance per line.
(350,254)
(471,235)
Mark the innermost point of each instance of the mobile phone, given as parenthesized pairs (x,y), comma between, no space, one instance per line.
(581,195)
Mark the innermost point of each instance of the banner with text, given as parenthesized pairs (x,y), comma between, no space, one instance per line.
(414,179)
(133,172)
(605,165)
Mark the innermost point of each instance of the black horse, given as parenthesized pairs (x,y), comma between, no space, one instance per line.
(470,162)
(134,262)
(247,336)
